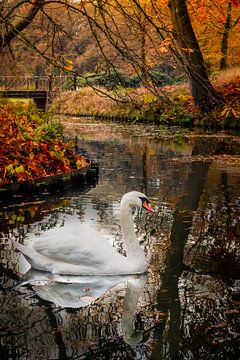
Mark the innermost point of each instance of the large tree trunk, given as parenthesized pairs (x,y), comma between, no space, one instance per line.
(204,95)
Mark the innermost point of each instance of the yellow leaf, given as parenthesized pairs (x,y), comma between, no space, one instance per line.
(189,50)
(68,67)
(80,164)
(225,111)
(20,168)
(166,42)
(163,50)
(235,113)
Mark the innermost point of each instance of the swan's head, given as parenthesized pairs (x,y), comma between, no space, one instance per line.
(137,338)
(136,199)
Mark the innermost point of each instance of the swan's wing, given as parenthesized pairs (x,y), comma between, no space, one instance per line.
(74,250)
(64,296)
(79,294)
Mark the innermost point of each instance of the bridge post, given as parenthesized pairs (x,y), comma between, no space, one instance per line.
(50,82)
(41,102)
(36,83)
(75,82)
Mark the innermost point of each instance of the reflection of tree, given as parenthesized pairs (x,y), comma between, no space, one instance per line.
(58,338)
(208,315)
(132,157)
(214,240)
(144,187)
(168,298)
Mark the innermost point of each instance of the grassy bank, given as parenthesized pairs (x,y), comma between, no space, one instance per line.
(170,105)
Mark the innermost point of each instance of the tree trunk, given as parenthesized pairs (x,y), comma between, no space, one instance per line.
(204,95)
(224,44)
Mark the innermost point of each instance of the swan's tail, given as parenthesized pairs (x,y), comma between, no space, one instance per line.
(36,260)
(25,250)
(22,248)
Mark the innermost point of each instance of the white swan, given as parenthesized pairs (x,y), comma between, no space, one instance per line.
(90,254)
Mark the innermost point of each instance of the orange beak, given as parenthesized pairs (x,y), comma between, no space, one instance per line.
(147,207)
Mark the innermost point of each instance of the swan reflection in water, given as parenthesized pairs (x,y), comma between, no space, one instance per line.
(69,291)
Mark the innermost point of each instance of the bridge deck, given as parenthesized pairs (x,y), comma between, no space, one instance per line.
(23,93)
(40,97)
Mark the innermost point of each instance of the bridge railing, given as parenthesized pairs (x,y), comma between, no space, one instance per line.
(35,83)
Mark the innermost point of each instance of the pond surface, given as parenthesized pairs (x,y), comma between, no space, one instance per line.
(187,305)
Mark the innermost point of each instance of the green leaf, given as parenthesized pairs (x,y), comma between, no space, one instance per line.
(20,168)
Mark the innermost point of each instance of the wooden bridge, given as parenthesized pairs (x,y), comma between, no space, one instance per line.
(41,89)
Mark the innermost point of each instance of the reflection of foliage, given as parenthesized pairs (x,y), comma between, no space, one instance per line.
(44,214)
(181,141)
(16,218)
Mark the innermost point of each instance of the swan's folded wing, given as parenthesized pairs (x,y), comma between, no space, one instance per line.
(74,252)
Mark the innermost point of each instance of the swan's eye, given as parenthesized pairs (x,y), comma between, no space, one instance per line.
(144,200)
(145,204)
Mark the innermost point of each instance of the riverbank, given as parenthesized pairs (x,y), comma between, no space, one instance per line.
(170,105)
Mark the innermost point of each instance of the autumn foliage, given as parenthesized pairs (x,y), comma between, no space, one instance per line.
(29,150)
(235,2)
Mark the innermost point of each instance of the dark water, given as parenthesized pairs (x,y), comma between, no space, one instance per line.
(186,307)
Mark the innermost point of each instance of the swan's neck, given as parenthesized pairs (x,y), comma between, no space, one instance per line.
(131,242)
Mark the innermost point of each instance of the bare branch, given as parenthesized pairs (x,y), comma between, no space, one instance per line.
(21,25)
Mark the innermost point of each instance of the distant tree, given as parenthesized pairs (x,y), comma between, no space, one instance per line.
(217,28)
(228,25)
(225,36)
